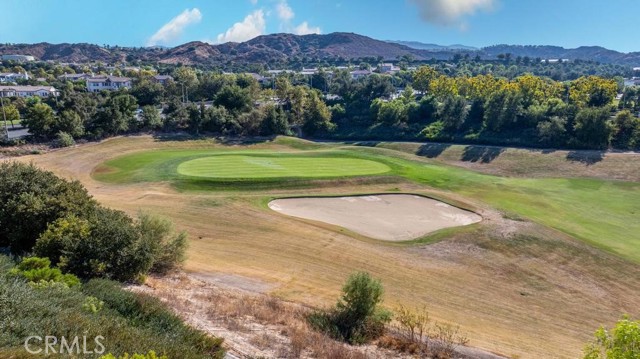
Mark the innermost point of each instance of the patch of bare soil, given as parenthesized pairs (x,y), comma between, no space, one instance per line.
(257,325)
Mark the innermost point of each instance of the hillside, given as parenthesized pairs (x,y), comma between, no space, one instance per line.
(279,48)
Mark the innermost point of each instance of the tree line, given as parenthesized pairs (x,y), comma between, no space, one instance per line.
(433,105)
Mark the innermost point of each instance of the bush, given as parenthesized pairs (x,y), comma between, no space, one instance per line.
(356,317)
(57,219)
(158,237)
(39,273)
(64,139)
(623,342)
(148,325)
(30,199)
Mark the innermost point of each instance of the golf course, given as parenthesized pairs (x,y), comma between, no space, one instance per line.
(539,263)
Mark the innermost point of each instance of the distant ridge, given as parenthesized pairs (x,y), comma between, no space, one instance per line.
(433,47)
(283,48)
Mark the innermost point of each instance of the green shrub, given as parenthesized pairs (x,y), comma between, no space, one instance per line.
(622,342)
(59,312)
(30,199)
(64,139)
(38,273)
(356,317)
(58,220)
(158,237)
(92,304)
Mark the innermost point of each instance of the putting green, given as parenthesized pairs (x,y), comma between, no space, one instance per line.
(243,166)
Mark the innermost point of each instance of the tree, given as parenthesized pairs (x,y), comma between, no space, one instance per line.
(151,118)
(148,92)
(423,77)
(593,91)
(592,128)
(13,116)
(453,112)
(40,120)
(30,199)
(625,127)
(71,123)
(233,98)
(116,116)
(275,122)
(552,132)
(623,342)
(317,117)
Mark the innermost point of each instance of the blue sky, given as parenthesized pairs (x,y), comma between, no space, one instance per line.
(568,23)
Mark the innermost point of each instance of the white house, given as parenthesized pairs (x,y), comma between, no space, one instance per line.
(19,58)
(358,74)
(162,79)
(13,77)
(74,77)
(28,91)
(101,83)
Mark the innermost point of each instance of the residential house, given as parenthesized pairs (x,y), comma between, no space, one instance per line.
(257,77)
(13,77)
(162,79)
(28,91)
(358,74)
(74,77)
(109,83)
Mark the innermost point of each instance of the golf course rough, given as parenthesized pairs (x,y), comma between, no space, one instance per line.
(254,166)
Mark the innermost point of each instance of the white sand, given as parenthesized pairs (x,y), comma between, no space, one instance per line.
(391,217)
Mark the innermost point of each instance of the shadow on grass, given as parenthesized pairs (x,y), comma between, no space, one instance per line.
(482,154)
(225,140)
(432,150)
(586,157)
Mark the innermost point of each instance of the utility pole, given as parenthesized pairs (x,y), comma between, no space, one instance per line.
(4,115)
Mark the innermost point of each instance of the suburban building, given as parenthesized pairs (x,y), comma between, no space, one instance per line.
(358,74)
(388,68)
(19,58)
(74,77)
(13,77)
(28,91)
(109,83)
(162,79)
(634,81)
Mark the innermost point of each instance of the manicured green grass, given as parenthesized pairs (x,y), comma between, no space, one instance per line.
(255,166)
(603,213)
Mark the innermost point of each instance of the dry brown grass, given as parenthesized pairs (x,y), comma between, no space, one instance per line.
(514,287)
(253,325)
(520,162)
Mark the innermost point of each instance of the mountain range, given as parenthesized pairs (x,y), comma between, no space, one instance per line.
(283,48)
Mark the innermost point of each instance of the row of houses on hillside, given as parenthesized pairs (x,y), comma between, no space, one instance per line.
(28,91)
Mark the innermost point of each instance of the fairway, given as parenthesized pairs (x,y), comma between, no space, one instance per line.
(237,166)
(522,282)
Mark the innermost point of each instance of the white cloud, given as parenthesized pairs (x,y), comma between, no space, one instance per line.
(286,15)
(305,29)
(449,12)
(284,11)
(174,28)
(253,25)
(254,2)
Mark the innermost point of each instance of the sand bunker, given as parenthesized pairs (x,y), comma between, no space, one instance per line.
(391,217)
